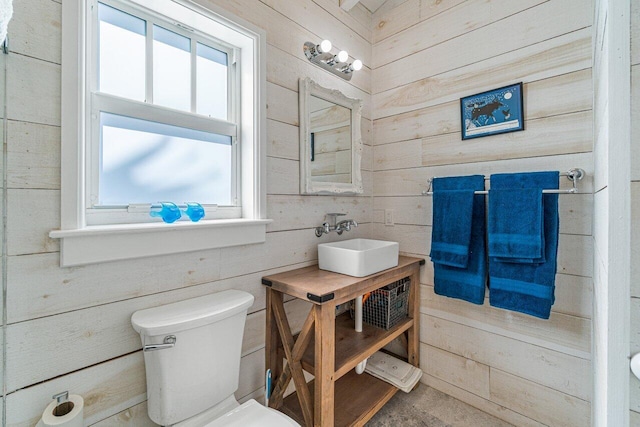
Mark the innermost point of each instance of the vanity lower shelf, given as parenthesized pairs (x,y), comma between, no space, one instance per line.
(352,347)
(357,399)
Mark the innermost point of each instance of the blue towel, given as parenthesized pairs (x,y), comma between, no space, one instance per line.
(451,233)
(466,283)
(515,225)
(528,287)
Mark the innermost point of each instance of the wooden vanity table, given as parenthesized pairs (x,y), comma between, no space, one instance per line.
(328,346)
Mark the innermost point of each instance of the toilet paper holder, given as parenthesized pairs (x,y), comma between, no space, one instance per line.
(65,410)
(64,405)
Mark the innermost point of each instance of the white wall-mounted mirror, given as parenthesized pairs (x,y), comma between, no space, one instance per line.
(330,141)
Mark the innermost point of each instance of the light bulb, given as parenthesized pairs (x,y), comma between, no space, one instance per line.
(342,56)
(325,46)
(356,65)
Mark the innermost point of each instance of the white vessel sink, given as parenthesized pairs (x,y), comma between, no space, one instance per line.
(357,257)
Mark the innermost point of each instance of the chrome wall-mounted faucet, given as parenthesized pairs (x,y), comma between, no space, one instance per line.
(332,225)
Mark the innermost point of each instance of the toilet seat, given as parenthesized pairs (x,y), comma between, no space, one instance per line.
(251,413)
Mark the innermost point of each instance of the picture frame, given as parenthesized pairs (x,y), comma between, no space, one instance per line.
(492,112)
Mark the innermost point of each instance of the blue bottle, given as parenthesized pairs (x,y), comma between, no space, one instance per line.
(194,211)
(169,212)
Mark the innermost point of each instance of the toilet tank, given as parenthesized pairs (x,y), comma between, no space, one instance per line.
(202,368)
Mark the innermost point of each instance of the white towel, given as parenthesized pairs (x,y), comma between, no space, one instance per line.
(394,371)
(6,12)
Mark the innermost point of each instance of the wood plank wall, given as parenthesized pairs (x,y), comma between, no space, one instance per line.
(2,93)
(612,234)
(426,55)
(69,329)
(634,399)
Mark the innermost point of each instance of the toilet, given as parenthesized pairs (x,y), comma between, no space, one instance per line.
(192,352)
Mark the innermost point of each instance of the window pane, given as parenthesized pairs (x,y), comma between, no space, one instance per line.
(171,69)
(121,53)
(149,162)
(211,85)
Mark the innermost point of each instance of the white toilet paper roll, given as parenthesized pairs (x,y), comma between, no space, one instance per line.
(75,418)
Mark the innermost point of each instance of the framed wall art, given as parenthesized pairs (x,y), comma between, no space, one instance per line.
(492,112)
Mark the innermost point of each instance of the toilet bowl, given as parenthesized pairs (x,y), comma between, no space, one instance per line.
(192,351)
(250,413)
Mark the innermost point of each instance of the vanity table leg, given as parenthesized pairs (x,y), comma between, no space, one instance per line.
(413,334)
(273,341)
(325,332)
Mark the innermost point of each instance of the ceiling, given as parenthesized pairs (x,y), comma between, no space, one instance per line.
(372,5)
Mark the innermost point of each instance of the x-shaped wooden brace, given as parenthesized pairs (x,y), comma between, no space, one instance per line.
(293,353)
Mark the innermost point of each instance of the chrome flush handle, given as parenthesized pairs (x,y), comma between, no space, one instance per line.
(169,342)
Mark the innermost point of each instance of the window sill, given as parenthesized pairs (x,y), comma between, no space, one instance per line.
(95,244)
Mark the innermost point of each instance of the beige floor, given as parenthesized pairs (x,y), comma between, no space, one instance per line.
(428,407)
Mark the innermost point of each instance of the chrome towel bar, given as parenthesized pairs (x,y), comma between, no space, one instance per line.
(574,175)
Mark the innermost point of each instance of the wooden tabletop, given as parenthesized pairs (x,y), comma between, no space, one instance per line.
(321,286)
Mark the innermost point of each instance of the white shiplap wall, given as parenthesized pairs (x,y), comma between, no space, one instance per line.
(426,55)
(634,399)
(69,329)
(612,215)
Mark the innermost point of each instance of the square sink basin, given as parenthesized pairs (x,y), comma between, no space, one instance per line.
(357,257)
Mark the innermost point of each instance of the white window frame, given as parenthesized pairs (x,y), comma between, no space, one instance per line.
(82,243)
(103,102)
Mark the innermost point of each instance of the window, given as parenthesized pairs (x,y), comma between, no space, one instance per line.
(162,123)
(162,101)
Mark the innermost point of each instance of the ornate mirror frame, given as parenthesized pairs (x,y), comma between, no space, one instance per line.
(307,186)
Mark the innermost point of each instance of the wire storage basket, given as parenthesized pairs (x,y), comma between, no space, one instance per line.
(387,306)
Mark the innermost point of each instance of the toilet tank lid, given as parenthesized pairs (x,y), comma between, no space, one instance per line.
(191,313)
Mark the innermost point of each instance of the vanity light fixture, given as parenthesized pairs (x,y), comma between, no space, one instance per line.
(354,66)
(314,50)
(338,64)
